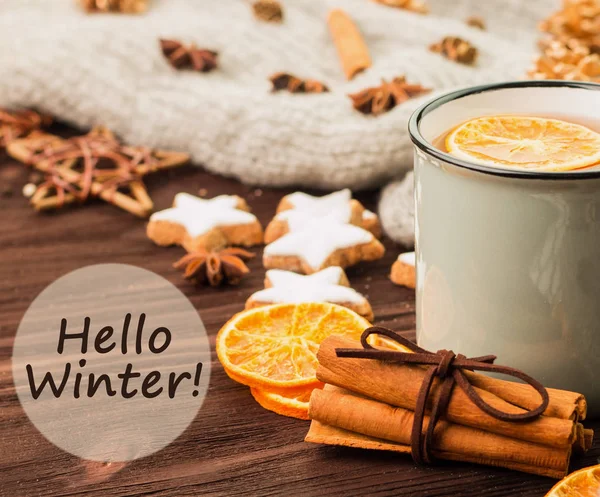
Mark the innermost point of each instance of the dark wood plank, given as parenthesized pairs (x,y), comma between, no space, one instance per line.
(233,446)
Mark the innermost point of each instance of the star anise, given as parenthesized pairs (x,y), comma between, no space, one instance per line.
(456,49)
(380,99)
(215,267)
(19,123)
(293,84)
(268,10)
(123,6)
(183,56)
(476,22)
(412,5)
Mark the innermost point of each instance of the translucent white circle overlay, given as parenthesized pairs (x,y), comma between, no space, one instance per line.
(166,343)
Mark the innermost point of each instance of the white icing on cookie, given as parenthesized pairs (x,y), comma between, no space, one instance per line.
(368,214)
(324,204)
(335,206)
(198,216)
(298,219)
(318,240)
(407,258)
(324,286)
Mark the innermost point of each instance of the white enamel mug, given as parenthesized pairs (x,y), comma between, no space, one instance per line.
(508,261)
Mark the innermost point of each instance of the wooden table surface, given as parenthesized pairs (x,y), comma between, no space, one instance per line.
(234,446)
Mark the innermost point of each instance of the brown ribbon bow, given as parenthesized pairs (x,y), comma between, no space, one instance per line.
(449,367)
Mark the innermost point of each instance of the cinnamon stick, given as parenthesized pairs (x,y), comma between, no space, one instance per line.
(380,381)
(341,408)
(333,435)
(563,404)
(351,47)
(583,440)
(588,439)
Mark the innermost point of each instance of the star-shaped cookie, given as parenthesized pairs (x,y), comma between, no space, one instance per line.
(403,270)
(370,222)
(295,207)
(325,203)
(198,224)
(328,285)
(297,219)
(322,243)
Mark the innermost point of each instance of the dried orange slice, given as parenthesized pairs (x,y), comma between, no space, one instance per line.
(386,343)
(293,405)
(275,347)
(525,142)
(582,483)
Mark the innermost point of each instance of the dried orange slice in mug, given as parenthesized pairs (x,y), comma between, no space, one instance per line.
(525,142)
(275,347)
(582,483)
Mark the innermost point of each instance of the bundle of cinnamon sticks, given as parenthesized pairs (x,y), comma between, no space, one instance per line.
(369,403)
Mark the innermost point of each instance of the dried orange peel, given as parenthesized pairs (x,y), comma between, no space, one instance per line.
(582,483)
(274,348)
(294,405)
(525,142)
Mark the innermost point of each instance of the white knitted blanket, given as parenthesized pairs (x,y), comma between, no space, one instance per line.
(108,69)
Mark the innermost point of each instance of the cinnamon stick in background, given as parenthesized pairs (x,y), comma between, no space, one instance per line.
(343,409)
(380,381)
(351,46)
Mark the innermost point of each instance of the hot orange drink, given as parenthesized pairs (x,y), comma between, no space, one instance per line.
(524,142)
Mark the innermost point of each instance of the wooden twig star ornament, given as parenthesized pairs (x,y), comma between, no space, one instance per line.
(92,165)
(16,124)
